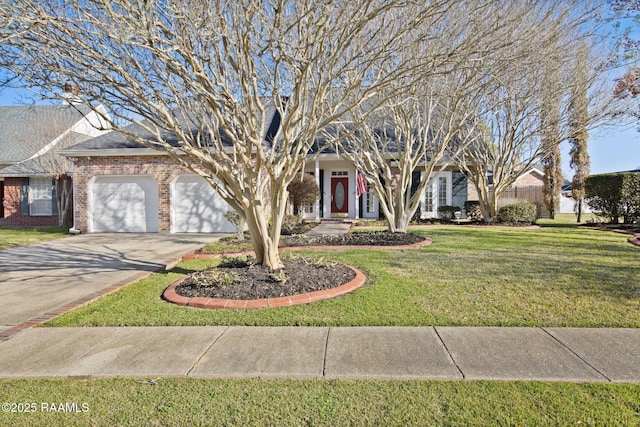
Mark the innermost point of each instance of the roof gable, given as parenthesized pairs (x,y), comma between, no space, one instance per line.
(24,130)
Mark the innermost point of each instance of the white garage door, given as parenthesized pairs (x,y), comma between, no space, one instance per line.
(126,204)
(197,208)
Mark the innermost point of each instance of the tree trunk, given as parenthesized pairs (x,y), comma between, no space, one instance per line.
(579,210)
(266,250)
(64,197)
(265,239)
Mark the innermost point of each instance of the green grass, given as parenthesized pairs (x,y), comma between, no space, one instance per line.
(568,219)
(128,402)
(493,276)
(11,237)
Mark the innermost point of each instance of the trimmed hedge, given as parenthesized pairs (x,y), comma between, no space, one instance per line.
(614,195)
(519,213)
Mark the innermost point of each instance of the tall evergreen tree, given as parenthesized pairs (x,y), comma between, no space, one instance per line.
(551,134)
(578,137)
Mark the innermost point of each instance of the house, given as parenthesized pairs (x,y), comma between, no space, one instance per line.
(337,179)
(29,136)
(121,186)
(529,188)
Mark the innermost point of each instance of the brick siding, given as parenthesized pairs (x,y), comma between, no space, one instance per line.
(163,169)
(12,212)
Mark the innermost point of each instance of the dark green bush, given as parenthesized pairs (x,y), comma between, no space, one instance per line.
(520,213)
(447,213)
(472,208)
(615,195)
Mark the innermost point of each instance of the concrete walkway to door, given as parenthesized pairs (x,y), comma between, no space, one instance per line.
(329,227)
(40,281)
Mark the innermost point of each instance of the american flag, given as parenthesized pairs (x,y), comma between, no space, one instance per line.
(361,185)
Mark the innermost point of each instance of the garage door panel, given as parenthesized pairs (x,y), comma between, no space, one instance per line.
(197,208)
(125,204)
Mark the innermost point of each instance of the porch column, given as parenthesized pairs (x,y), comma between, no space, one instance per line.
(317,175)
(357,205)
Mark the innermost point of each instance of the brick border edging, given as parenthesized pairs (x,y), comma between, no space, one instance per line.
(171,296)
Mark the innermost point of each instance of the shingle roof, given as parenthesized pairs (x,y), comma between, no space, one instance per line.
(37,166)
(24,130)
(115,141)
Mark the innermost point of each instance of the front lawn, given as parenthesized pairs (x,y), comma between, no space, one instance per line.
(11,237)
(256,402)
(485,276)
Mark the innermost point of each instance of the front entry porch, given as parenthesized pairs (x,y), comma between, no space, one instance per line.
(338,199)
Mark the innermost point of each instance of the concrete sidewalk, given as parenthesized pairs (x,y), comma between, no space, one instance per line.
(456,353)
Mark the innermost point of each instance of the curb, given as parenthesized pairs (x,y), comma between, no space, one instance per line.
(171,296)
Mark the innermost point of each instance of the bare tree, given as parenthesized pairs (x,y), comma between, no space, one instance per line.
(210,72)
(58,136)
(53,128)
(401,139)
(400,146)
(517,133)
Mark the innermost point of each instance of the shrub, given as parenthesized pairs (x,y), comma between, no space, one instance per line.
(447,213)
(614,195)
(237,221)
(472,208)
(290,224)
(519,213)
(303,190)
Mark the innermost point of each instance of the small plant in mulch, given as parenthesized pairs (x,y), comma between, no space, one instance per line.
(243,279)
(213,278)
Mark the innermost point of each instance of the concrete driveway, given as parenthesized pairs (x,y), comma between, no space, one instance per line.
(39,279)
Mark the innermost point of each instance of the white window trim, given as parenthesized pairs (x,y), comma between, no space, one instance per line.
(43,205)
(435,180)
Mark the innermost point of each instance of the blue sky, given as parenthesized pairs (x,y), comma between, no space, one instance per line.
(611,150)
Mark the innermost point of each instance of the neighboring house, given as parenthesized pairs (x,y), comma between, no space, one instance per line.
(121,186)
(29,136)
(528,188)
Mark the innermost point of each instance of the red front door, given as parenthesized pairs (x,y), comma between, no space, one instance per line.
(339,195)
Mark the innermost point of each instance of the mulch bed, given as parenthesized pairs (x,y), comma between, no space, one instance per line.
(247,281)
(236,279)
(369,238)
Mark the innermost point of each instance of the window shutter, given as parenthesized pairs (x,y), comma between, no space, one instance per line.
(54,199)
(24,197)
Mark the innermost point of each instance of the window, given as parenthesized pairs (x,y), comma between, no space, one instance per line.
(307,208)
(340,173)
(442,191)
(428,198)
(437,193)
(40,197)
(370,200)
